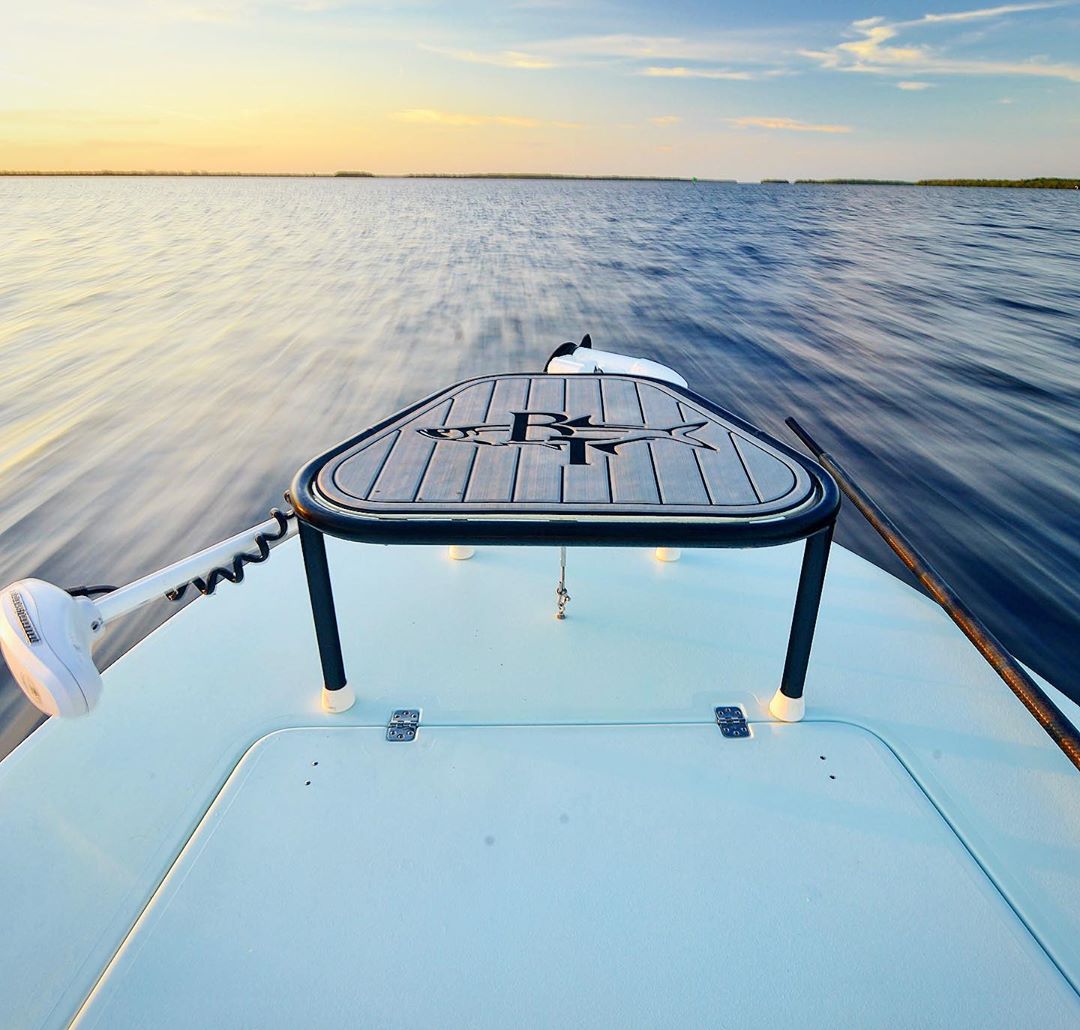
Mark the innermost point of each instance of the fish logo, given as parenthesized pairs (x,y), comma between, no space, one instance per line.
(559,431)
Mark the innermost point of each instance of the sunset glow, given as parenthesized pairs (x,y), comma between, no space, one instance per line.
(721,90)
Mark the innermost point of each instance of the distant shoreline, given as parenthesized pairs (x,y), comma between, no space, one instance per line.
(1044,183)
(360,175)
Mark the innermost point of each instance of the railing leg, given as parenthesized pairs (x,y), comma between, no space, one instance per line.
(787,703)
(337,695)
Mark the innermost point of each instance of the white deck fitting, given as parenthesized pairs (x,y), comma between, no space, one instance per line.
(96,811)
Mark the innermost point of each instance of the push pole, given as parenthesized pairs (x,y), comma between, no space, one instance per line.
(1031,695)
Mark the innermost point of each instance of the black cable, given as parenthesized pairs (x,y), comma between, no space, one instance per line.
(89,591)
(235,572)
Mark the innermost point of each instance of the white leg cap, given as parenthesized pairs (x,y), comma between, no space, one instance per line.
(459,553)
(667,554)
(787,709)
(337,701)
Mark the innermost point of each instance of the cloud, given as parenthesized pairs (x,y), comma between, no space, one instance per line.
(735,47)
(213,13)
(986,12)
(1005,100)
(694,73)
(873,52)
(914,85)
(786,124)
(666,119)
(69,117)
(427,116)
(231,10)
(499,58)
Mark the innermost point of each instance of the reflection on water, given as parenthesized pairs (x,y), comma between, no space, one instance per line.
(172,349)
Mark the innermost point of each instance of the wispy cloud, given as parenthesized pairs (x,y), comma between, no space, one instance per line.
(786,125)
(987,12)
(498,58)
(679,72)
(913,86)
(874,50)
(428,116)
(666,119)
(232,10)
(738,48)
(69,117)
(214,13)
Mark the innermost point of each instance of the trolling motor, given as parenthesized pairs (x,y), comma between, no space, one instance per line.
(47,634)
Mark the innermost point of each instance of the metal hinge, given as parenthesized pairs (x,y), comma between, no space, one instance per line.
(403,725)
(732,721)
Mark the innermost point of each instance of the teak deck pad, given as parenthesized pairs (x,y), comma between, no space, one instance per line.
(587,455)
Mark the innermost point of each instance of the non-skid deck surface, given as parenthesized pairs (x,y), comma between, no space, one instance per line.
(568,445)
(577,876)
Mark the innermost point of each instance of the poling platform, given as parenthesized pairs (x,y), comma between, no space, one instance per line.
(582,459)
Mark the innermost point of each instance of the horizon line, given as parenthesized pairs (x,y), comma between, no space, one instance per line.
(1065,181)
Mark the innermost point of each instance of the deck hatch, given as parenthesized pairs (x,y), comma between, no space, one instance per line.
(549,876)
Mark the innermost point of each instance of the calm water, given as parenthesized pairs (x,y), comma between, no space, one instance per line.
(172,349)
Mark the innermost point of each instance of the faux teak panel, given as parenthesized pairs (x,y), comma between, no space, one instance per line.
(577,444)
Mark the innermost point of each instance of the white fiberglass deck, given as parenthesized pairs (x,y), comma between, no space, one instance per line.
(164,860)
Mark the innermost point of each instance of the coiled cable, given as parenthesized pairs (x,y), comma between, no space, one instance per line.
(234,573)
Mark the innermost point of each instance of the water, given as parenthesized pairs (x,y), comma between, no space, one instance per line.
(172,349)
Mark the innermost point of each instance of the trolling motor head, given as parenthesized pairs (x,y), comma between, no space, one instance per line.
(47,635)
(47,638)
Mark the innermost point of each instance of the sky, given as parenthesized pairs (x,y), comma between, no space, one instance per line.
(871,88)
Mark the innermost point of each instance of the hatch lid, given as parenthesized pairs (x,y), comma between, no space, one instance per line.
(577,876)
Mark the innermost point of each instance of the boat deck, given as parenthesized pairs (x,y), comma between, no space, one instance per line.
(569,839)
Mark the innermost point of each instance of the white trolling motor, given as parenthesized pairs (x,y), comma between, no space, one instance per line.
(48,635)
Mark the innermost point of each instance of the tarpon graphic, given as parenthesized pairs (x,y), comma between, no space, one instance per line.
(557,430)
(486,433)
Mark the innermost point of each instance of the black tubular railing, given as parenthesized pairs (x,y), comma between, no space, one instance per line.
(1031,695)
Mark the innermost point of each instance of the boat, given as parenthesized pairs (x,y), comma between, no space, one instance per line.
(548,701)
